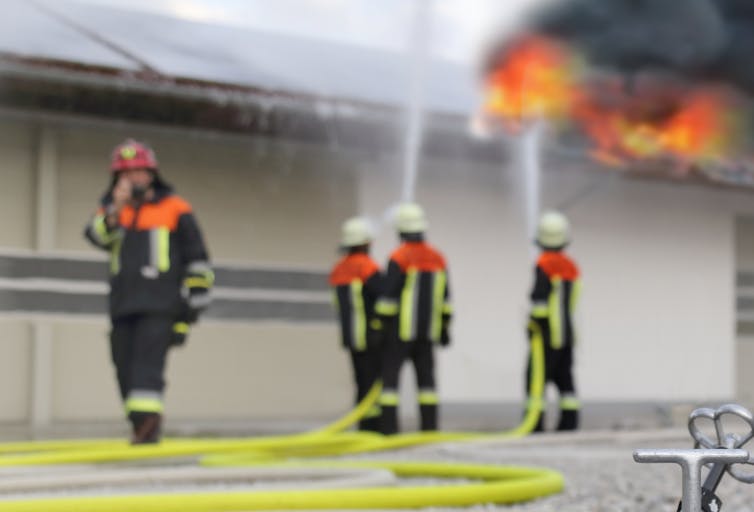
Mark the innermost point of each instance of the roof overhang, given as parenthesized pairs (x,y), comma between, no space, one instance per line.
(72,88)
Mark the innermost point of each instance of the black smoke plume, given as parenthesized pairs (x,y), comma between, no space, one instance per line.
(698,40)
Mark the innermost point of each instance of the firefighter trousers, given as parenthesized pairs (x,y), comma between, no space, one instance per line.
(559,371)
(394,355)
(139,345)
(366,370)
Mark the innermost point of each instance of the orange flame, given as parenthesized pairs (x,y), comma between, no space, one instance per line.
(533,78)
(701,129)
(538,77)
(696,128)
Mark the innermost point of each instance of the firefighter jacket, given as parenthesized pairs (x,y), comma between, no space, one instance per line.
(158,260)
(554,298)
(417,293)
(357,283)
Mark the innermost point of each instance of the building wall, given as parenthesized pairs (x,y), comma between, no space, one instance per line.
(657,268)
(658,313)
(15,370)
(225,371)
(745,308)
(17,145)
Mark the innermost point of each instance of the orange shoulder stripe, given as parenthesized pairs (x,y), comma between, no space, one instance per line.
(557,264)
(418,255)
(162,214)
(351,268)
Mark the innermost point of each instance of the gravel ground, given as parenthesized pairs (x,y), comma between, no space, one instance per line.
(599,470)
(598,467)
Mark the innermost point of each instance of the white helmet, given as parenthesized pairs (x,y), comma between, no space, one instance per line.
(410,218)
(355,231)
(553,231)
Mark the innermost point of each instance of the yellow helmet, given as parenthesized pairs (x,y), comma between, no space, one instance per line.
(410,218)
(355,231)
(553,231)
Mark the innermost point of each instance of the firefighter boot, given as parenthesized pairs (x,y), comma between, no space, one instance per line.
(428,413)
(569,419)
(428,409)
(147,427)
(389,419)
(371,421)
(370,424)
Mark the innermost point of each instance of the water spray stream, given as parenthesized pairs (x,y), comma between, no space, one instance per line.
(530,161)
(420,36)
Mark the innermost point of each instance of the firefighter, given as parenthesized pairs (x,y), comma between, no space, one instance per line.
(553,301)
(160,279)
(357,283)
(415,308)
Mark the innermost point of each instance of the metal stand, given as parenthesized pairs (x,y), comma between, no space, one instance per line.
(722,452)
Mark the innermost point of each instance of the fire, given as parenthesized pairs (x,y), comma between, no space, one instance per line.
(644,117)
(532,78)
(537,77)
(701,129)
(695,127)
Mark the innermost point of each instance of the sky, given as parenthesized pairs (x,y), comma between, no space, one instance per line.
(459,30)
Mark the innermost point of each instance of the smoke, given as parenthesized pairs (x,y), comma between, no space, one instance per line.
(734,64)
(655,82)
(698,40)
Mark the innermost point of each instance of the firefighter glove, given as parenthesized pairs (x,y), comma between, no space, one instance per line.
(375,333)
(179,333)
(188,315)
(197,285)
(445,336)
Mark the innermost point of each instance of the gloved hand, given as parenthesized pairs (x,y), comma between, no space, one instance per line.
(533,328)
(179,334)
(198,300)
(186,317)
(193,305)
(189,315)
(375,333)
(445,336)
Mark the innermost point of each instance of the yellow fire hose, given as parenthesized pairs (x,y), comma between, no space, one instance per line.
(498,484)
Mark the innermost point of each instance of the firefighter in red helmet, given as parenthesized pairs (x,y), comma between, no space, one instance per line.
(160,279)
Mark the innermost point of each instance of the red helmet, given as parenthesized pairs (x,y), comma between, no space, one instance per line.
(132,155)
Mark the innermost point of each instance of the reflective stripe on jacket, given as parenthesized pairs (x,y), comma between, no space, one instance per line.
(155,251)
(555,295)
(356,283)
(417,291)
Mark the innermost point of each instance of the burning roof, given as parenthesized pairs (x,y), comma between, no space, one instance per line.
(642,81)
